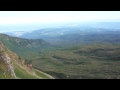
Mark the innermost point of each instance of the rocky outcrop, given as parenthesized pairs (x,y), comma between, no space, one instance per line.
(10,68)
(7,60)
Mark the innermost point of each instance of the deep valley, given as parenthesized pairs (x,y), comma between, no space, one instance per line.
(67,53)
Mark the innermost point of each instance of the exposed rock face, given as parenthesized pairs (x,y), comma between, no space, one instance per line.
(4,56)
(1,49)
(7,60)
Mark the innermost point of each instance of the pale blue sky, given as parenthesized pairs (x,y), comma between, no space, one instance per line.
(18,17)
(28,17)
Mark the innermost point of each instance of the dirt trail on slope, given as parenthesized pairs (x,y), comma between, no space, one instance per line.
(34,74)
(45,74)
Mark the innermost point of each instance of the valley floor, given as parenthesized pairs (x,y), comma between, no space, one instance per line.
(93,61)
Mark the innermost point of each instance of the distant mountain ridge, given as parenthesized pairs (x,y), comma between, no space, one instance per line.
(21,45)
(77,33)
(71,28)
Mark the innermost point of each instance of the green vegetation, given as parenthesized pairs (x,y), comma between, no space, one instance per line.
(80,62)
(41,74)
(4,74)
(13,66)
(22,46)
(98,60)
(22,74)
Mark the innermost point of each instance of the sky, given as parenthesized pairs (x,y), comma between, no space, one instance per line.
(16,20)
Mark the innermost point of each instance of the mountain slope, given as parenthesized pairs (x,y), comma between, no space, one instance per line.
(13,67)
(21,46)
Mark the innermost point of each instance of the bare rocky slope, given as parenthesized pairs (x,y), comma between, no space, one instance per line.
(13,67)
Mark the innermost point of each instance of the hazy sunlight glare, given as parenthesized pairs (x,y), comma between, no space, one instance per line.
(21,17)
(27,20)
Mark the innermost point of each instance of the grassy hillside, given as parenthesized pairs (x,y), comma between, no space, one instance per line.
(23,46)
(13,67)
